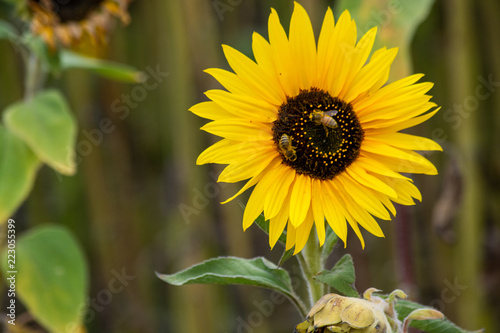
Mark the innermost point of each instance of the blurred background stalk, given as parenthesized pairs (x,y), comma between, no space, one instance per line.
(462,69)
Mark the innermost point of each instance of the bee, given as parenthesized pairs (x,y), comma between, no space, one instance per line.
(286,148)
(324,118)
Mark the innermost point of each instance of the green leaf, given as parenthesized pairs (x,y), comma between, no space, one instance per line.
(287,254)
(341,277)
(231,270)
(52,277)
(48,56)
(404,308)
(7,31)
(108,69)
(331,240)
(397,22)
(18,168)
(46,124)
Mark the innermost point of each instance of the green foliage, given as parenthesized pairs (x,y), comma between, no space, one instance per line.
(404,308)
(46,124)
(341,277)
(399,19)
(7,31)
(258,272)
(52,277)
(107,69)
(18,167)
(331,240)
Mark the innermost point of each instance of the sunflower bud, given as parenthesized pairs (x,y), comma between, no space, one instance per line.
(335,313)
(370,314)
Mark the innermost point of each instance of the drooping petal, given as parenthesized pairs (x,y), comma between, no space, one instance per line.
(248,167)
(300,200)
(303,231)
(290,236)
(277,223)
(284,177)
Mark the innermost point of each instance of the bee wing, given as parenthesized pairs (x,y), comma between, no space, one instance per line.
(331,112)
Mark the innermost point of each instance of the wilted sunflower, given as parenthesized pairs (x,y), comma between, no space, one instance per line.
(316,130)
(69,21)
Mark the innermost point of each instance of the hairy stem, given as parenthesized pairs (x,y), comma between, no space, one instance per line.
(33,77)
(310,265)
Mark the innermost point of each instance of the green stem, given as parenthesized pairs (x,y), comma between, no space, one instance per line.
(34,76)
(299,305)
(311,264)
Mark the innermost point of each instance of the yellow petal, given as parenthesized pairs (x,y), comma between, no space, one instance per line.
(344,37)
(316,202)
(277,224)
(255,203)
(284,177)
(290,236)
(303,232)
(282,55)
(387,92)
(402,160)
(361,176)
(227,151)
(359,213)
(303,46)
(263,54)
(254,180)
(210,110)
(362,196)
(406,191)
(243,106)
(355,227)
(248,167)
(333,214)
(239,129)
(370,74)
(407,141)
(395,108)
(355,59)
(326,47)
(300,200)
(384,199)
(230,81)
(372,165)
(400,123)
(252,75)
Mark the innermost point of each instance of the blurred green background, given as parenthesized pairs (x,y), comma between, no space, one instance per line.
(139,204)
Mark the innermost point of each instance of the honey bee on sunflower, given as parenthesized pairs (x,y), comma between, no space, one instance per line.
(316,129)
(69,21)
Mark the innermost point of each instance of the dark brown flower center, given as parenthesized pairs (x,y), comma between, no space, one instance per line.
(70,10)
(318,135)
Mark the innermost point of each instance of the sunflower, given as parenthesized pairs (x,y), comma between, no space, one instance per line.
(315,128)
(69,21)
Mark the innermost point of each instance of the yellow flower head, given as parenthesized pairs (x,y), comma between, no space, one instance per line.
(68,22)
(316,129)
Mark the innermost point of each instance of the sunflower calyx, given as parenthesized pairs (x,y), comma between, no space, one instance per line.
(371,314)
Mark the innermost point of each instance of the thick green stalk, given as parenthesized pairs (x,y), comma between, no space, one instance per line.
(310,265)
(34,76)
